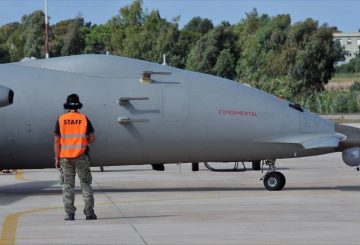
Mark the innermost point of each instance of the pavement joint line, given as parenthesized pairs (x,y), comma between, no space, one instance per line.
(120,212)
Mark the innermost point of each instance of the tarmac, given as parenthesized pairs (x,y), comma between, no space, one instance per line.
(136,205)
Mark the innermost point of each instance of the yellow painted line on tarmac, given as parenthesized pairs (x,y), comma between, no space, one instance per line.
(19,175)
(8,233)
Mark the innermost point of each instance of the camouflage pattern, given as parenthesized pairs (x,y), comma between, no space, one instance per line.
(68,170)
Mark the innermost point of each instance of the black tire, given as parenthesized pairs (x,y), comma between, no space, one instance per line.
(256,165)
(195,166)
(274,181)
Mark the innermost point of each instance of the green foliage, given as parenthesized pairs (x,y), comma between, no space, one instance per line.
(33,26)
(314,64)
(137,34)
(4,54)
(97,39)
(7,30)
(303,53)
(188,36)
(199,26)
(215,52)
(68,37)
(331,102)
(278,87)
(352,67)
(16,44)
(74,40)
(355,87)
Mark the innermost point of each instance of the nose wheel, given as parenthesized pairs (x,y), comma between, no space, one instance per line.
(273,180)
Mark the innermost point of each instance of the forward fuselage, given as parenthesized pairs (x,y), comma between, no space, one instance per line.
(188,116)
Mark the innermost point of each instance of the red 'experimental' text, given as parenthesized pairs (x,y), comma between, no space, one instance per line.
(226,112)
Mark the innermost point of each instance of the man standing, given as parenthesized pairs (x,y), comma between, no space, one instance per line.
(73,133)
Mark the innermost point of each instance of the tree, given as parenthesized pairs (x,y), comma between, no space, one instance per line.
(97,39)
(167,44)
(57,36)
(217,43)
(74,39)
(189,35)
(225,64)
(33,34)
(8,46)
(4,54)
(199,26)
(147,36)
(16,42)
(252,58)
(125,30)
(351,67)
(315,59)
(7,30)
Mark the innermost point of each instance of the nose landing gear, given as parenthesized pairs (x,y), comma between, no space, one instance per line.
(273,180)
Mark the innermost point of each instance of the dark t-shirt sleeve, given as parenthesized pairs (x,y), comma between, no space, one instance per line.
(90,128)
(57,127)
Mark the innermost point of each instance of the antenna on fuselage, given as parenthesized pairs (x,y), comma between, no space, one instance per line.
(46,31)
(164,60)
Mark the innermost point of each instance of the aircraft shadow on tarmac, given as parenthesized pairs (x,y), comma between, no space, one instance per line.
(109,170)
(138,217)
(206,189)
(13,193)
(120,170)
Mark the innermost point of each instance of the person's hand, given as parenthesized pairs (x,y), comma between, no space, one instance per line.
(57,163)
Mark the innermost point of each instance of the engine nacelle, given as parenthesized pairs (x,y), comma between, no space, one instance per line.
(6,96)
(351,156)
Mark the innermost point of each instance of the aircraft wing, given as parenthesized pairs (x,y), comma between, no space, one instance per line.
(307,141)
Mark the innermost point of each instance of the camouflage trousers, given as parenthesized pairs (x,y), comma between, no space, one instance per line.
(68,170)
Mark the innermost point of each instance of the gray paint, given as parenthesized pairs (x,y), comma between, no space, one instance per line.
(184,113)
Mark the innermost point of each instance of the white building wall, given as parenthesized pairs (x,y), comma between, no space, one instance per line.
(350,42)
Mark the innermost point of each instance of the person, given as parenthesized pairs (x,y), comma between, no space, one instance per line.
(73,133)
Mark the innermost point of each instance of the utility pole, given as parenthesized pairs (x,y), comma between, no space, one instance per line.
(46,31)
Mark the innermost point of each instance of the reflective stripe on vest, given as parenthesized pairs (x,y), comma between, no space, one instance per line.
(68,136)
(65,147)
(73,140)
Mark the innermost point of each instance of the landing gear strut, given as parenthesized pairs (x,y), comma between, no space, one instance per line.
(256,165)
(273,180)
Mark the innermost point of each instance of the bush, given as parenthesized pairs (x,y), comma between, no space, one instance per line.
(4,54)
(331,102)
(352,67)
(355,87)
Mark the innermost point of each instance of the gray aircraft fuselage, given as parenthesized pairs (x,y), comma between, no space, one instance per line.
(188,116)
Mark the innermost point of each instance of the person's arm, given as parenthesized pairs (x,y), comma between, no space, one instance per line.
(57,150)
(91,138)
(57,145)
(90,132)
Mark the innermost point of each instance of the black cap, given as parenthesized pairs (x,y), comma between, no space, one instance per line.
(72,102)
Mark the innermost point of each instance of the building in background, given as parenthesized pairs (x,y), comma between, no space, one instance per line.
(350,41)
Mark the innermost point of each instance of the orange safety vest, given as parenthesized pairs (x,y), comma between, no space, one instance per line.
(73,140)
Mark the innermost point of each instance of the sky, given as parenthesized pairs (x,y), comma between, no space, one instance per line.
(341,13)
